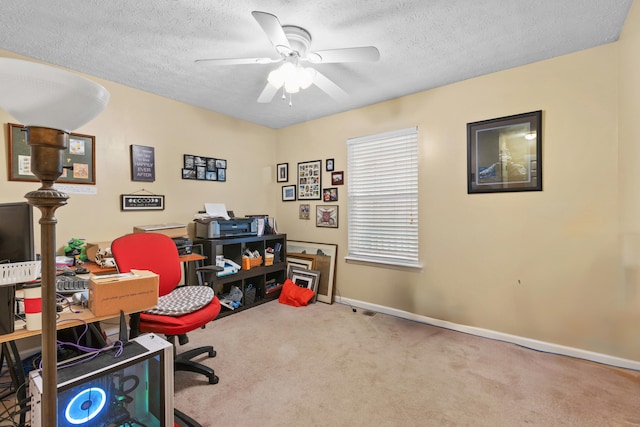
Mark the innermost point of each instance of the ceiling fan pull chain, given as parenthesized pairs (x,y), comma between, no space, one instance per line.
(284,96)
(290,100)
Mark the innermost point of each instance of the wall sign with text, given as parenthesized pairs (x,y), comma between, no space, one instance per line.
(137,202)
(143,166)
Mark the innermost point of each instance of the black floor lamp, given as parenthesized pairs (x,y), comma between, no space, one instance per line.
(51,103)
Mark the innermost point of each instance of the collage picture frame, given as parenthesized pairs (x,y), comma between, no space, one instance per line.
(202,168)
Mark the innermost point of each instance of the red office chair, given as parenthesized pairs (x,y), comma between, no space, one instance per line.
(158,253)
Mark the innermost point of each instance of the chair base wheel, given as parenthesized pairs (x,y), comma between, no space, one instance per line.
(214,379)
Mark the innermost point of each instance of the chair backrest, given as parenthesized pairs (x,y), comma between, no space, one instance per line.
(149,251)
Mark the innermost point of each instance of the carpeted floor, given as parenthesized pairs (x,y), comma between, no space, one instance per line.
(324,365)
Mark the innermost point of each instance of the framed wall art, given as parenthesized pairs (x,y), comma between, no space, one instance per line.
(329,164)
(288,193)
(310,180)
(204,168)
(324,258)
(78,160)
(327,216)
(304,211)
(283,172)
(505,154)
(330,194)
(143,166)
(337,178)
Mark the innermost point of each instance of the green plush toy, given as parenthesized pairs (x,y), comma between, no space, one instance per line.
(75,248)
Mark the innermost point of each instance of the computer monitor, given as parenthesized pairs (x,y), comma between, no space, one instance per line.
(16,232)
(135,388)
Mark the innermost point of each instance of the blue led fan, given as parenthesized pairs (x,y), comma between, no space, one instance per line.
(85,406)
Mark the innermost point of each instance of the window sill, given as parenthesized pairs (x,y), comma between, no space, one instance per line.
(383,264)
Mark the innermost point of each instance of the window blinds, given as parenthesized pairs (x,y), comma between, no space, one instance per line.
(382,177)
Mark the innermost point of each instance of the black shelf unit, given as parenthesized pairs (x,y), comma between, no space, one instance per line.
(261,278)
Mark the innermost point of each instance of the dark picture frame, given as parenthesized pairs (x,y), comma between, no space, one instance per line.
(505,154)
(78,160)
(202,168)
(329,165)
(282,172)
(310,180)
(143,165)
(327,216)
(288,193)
(330,194)
(337,178)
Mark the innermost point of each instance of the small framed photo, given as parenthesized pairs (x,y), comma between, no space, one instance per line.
(329,165)
(304,211)
(288,193)
(189,161)
(283,172)
(505,154)
(222,174)
(327,216)
(188,173)
(221,164)
(330,194)
(337,178)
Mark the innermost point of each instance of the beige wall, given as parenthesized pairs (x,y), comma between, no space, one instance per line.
(544,265)
(174,129)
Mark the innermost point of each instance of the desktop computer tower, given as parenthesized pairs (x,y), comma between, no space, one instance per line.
(134,388)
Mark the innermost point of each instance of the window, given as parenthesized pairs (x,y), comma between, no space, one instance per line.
(382,176)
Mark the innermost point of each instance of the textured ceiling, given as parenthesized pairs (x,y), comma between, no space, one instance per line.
(152,45)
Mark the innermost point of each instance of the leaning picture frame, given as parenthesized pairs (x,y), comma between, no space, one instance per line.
(306,278)
(505,154)
(78,159)
(324,256)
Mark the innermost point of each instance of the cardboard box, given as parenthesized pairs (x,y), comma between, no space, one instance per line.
(91,249)
(172,229)
(131,293)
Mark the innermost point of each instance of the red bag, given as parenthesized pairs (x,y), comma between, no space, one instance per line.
(294,295)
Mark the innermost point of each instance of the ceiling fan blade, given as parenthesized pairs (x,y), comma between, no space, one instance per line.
(349,54)
(267,94)
(329,87)
(237,61)
(271,26)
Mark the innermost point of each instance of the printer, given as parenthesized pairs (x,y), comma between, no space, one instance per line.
(215,228)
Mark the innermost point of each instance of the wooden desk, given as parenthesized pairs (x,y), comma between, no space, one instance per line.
(187,260)
(66,319)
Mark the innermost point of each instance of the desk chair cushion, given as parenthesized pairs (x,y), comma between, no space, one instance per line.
(177,325)
(183,300)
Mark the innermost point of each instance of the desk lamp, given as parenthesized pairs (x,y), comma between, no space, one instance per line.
(51,103)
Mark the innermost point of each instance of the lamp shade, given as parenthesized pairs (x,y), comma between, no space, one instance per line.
(45,96)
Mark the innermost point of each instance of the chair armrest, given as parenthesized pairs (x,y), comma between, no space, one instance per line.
(210,268)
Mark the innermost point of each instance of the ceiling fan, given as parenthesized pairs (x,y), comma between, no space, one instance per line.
(292,44)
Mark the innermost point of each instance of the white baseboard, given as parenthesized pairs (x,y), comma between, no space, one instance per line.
(500,336)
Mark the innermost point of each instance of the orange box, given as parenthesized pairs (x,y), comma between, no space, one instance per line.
(249,263)
(130,292)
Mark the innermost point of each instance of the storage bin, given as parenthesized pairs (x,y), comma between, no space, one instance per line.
(249,296)
(249,263)
(268,259)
